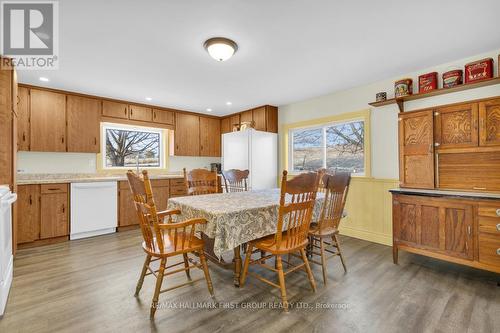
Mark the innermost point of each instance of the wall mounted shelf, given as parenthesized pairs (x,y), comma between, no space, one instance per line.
(442,91)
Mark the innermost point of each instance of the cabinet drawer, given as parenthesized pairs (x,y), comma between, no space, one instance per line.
(176,191)
(490,225)
(54,188)
(489,249)
(489,211)
(177,182)
(160,182)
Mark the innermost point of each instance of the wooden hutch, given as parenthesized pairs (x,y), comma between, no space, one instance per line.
(448,203)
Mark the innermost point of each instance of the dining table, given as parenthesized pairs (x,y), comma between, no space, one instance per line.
(235,218)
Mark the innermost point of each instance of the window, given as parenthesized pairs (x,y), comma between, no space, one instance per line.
(125,147)
(335,146)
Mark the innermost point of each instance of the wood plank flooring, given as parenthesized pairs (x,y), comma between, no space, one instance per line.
(88,286)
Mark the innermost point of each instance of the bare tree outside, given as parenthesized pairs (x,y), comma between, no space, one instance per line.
(336,147)
(123,147)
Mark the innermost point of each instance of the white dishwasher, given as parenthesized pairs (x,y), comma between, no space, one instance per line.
(93,209)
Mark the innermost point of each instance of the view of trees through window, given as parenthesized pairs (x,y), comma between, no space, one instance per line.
(124,146)
(335,147)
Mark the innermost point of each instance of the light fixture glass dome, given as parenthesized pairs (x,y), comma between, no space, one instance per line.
(220,48)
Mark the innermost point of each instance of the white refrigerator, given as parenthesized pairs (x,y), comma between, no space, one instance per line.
(254,150)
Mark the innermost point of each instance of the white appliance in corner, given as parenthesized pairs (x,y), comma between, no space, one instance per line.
(7,198)
(93,209)
(254,150)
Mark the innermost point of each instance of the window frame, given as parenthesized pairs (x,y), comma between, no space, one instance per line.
(324,125)
(162,145)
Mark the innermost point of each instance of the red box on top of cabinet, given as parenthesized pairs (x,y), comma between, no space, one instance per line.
(479,70)
(427,82)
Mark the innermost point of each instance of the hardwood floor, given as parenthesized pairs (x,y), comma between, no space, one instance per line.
(88,285)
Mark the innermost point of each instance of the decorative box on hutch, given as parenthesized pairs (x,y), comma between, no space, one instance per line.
(448,203)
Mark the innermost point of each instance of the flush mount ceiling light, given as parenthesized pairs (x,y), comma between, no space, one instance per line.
(44,79)
(220,48)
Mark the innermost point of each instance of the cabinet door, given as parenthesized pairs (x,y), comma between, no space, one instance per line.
(140,113)
(187,135)
(48,121)
(489,125)
(404,222)
(114,110)
(163,117)
(272,119)
(259,116)
(23,119)
(235,121)
(225,125)
(246,116)
(126,208)
(209,137)
(416,152)
(83,124)
(28,218)
(161,195)
(54,215)
(456,126)
(457,220)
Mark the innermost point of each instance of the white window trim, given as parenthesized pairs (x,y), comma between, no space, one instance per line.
(323,143)
(162,149)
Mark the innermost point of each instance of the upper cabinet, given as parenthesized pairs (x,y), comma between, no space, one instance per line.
(187,135)
(246,116)
(416,153)
(23,119)
(163,117)
(456,126)
(83,124)
(225,125)
(115,110)
(264,118)
(489,127)
(141,113)
(210,138)
(48,121)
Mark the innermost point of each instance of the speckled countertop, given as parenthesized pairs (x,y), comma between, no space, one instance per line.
(52,178)
(440,193)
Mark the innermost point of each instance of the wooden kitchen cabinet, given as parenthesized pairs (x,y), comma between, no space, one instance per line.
(127,214)
(246,116)
(210,137)
(28,208)
(416,149)
(259,117)
(235,121)
(444,226)
(23,119)
(271,119)
(161,193)
(115,109)
(54,211)
(83,124)
(187,135)
(48,121)
(140,113)
(489,125)
(225,125)
(456,126)
(163,117)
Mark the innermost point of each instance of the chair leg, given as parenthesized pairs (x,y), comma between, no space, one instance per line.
(203,261)
(336,240)
(308,269)
(186,265)
(159,280)
(281,277)
(323,259)
(248,256)
(288,258)
(143,274)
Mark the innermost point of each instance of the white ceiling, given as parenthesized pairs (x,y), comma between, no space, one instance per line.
(289,50)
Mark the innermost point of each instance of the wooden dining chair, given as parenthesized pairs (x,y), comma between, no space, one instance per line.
(164,239)
(235,180)
(201,181)
(297,201)
(327,228)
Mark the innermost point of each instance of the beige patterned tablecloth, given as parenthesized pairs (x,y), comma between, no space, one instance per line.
(235,218)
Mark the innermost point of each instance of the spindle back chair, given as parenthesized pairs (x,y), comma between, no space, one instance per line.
(164,240)
(201,181)
(297,200)
(235,180)
(336,189)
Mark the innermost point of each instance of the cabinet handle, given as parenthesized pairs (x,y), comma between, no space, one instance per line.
(154,115)
(52,189)
(475,124)
(498,251)
(62,139)
(498,226)
(95,141)
(498,212)
(63,208)
(131,111)
(478,188)
(469,230)
(31,202)
(437,144)
(125,110)
(24,136)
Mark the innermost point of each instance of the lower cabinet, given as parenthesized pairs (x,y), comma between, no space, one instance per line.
(43,212)
(448,228)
